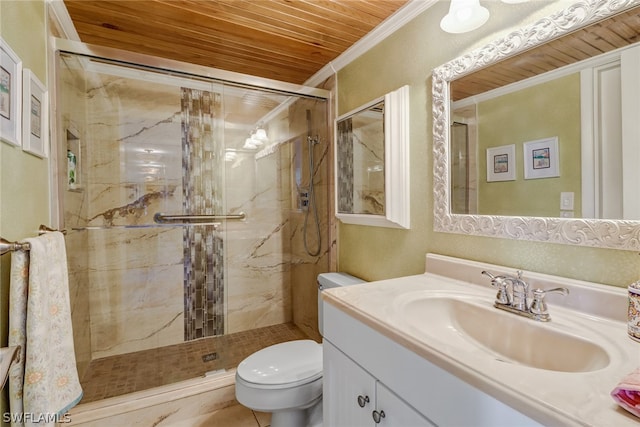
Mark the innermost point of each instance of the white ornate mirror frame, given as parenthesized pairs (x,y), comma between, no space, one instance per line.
(616,234)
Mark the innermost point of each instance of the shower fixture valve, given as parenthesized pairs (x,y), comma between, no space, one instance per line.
(303,199)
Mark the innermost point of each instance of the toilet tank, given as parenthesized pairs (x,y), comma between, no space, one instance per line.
(333,280)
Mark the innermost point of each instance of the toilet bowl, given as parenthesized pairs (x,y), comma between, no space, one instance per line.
(286,379)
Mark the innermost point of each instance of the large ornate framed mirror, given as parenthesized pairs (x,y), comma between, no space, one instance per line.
(585,29)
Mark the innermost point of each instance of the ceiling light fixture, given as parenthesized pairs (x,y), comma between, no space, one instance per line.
(464,16)
(249,144)
(261,134)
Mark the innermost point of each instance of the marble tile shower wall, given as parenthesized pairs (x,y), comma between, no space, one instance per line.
(304,267)
(129,282)
(257,258)
(134,169)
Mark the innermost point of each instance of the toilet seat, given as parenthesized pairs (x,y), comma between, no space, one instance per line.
(284,365)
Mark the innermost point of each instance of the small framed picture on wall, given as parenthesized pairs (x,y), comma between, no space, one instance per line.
(501,163)
(541,159)
(10,95)
(34,115)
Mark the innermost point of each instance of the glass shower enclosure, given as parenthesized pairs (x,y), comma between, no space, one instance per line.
(179,196)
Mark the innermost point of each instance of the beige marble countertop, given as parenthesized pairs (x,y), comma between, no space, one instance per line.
(550,397)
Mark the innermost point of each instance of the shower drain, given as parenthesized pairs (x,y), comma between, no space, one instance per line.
(209,357)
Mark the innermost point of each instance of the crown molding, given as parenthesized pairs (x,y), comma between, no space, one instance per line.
(59,10)
(402,16)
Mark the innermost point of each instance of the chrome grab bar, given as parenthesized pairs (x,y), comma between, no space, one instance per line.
(161,218)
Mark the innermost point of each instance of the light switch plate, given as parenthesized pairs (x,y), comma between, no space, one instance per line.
(566,200)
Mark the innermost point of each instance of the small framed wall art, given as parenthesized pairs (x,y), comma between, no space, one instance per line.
(541,158)
(10,95)
(34,115)
(501,163)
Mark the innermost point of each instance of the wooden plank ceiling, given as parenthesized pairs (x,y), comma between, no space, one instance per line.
(603,36)
(287,40)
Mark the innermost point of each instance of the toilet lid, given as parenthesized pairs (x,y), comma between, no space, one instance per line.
(288,362)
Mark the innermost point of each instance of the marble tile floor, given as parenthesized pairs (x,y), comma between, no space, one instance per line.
(127,373)
(231,416)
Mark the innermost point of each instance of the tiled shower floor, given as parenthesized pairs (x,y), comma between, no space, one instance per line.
(117,375)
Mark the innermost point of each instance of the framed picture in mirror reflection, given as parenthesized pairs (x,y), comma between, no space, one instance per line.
(501,163)
(541,158)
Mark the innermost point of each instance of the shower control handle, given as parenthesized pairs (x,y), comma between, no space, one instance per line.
(362,401)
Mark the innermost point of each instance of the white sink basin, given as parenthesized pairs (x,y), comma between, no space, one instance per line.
(471,323)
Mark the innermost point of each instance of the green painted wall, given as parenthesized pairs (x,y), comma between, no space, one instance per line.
(24,179)
(408,57)
(546,110)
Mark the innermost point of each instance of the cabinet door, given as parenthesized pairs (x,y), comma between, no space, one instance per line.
(348,391)
(397,413)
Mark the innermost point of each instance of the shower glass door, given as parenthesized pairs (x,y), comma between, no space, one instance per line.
(216,161)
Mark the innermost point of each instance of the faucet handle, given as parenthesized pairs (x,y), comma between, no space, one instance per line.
(539,305)
(503,296)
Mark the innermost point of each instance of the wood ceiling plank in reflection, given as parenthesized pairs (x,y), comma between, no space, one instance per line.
(627,26)
(558,55)
(603,40)
(618,31)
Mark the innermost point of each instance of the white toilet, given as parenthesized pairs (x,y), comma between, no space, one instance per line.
(286,379)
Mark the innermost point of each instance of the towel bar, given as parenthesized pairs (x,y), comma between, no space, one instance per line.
(44,229)
(7,246)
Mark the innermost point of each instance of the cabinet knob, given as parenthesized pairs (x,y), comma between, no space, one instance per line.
(377,416)
(362,401)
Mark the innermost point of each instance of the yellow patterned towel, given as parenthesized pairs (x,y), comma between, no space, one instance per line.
(44,385)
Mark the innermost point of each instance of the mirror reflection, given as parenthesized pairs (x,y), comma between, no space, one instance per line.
(360,161)
(502,132)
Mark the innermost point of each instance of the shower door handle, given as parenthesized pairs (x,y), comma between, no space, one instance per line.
(161,218)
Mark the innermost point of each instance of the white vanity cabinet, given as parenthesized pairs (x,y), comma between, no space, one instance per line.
(355,398)
(359,361)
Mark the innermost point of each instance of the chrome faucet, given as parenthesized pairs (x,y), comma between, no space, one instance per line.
(513,296)
(520,292)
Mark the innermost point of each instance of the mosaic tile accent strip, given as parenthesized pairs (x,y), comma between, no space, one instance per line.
(345,166)
(117,375)
(204,283)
